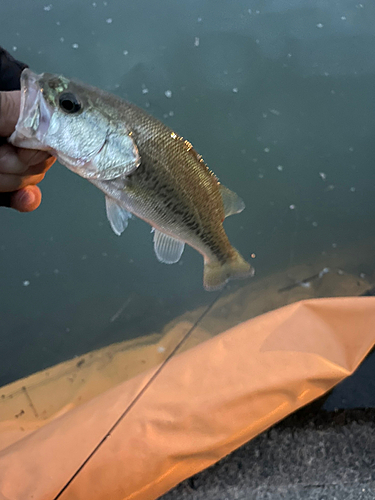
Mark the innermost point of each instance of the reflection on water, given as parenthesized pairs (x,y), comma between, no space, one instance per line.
(277,97)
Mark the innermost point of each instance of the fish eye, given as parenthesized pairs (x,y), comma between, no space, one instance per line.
(69,103)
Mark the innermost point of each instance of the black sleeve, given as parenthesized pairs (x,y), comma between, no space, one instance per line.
(10,71)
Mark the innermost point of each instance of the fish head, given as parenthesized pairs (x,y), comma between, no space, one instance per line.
(67,118)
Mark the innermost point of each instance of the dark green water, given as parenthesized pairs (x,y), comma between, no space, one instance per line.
(278,97)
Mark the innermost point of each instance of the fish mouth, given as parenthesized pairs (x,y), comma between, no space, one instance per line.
(35,114)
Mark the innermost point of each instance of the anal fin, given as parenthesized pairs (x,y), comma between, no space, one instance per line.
(167,248)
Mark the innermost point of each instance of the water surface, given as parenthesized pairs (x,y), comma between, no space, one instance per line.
(278,97)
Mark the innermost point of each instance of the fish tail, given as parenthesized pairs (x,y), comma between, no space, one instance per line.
(216,274)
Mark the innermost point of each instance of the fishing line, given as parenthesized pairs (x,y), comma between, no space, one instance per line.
(140,393)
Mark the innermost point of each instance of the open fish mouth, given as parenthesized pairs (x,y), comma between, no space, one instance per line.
(35,114)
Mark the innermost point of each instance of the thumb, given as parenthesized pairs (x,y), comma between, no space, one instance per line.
(9,111)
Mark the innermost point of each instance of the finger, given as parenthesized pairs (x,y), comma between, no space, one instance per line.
(9,182)
(31,157)
(23,161)
(26,199)
(23,200)
(9,111)
(9,161)
(42,167)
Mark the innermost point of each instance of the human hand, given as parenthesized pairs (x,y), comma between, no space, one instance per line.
(20,169)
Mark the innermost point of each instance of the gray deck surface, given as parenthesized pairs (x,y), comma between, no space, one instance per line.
(310,455)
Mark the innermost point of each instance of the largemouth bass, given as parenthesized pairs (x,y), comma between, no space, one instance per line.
(143,167)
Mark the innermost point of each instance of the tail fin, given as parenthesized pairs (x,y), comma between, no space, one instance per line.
(217,274)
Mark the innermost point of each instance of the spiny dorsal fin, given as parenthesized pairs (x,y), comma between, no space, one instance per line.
(231,201)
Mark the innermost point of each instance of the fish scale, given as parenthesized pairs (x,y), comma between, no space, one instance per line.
(194,197)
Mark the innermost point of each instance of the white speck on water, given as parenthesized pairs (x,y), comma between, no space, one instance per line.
(323,175)
(289,55)
(48,7)
(264,115)
(315,224)
(109,20)
(199,20)
(280,168)
(261,176)
(75,45)
(352,189)
(323,272)
(93,4)
(144,90)
(340,272)
(161,349)
(351,149)
(58,23)
(26,283)
(105,3)
(343,18)
(249,11)
(62,39)
(362,275)
(235,90)
(257,12)
(305,284)
(171,113)
(84,257)
(334,245)
(331,187)
(104,254)
(125,52)
(196,41)
(319,25)
(14,48)
(266,150)
(56,271)
(292,207)
(326,73)
(257,41)
(168,93)
(117,85)
(274,112)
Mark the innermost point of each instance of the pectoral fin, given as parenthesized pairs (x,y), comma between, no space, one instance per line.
(232,202)
(117,216)
(167,249)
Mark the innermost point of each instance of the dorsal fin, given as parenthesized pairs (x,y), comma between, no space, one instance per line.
(231,201)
